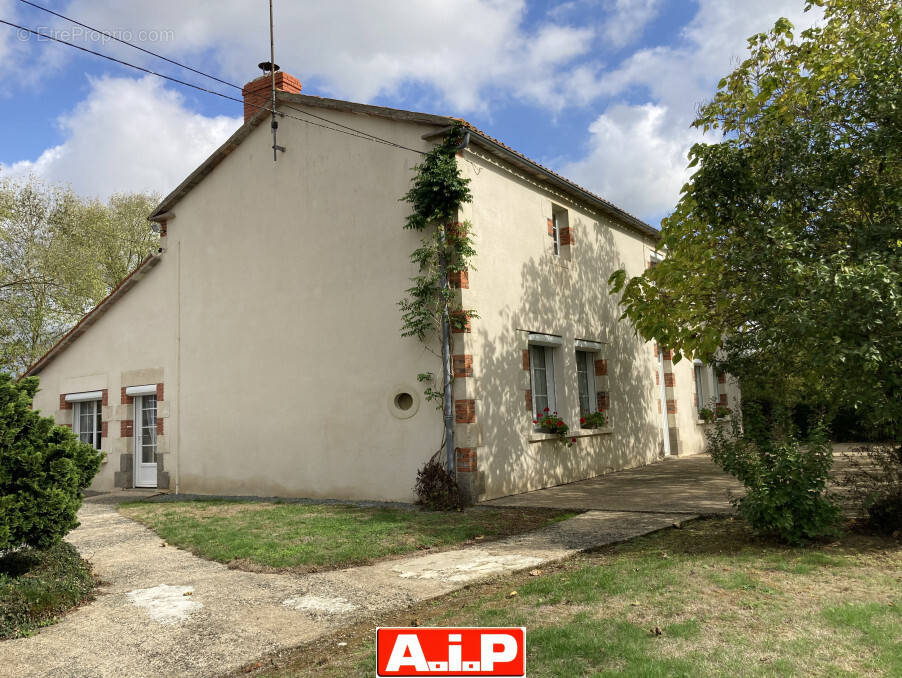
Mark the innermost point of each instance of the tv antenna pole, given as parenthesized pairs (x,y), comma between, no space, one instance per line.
(273,67)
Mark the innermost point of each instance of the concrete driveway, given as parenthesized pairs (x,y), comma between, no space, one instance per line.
(690,485)
(161,611)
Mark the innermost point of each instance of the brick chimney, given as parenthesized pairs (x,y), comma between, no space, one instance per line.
(258,92)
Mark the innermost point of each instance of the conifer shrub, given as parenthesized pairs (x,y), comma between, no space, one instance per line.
(43,469)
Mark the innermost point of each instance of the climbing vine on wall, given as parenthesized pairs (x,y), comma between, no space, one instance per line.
(446,246)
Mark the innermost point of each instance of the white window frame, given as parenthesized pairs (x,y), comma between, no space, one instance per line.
(556,232)
(705,372)
(548,351)
(94,436)
(591,395)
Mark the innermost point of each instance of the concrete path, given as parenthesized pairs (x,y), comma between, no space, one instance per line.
(689,485)
(164,612)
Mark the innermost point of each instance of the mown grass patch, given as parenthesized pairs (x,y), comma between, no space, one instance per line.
(37,586)
(725,603)
(261,536)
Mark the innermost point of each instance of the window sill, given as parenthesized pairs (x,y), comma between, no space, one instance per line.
(538,437)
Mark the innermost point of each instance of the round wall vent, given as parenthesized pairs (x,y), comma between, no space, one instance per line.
(403,402)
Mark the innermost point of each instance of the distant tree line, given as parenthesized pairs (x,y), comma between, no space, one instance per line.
(60,254)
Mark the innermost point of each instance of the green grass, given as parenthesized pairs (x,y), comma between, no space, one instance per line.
(726,603)
(306,537)
(36,587)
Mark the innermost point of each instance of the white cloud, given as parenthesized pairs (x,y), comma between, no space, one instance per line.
(711,45)
(636,160)
(470,51)
(637,154)
(628,19)
(128,135)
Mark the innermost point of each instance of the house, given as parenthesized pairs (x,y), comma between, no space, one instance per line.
(258,352)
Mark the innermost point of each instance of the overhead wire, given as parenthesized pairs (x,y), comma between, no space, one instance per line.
(126,42)
(346,129)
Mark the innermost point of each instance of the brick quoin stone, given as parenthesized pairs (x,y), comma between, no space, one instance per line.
(669,379)
(601,368)
(162,229)
(462,365)
(525,358)
(721,377)
(126,399)
(656,350)
(104,429)
(659,406)
(466,459)
(104,397)
(723,399)
(465,411)
(160,392)
(456,229)
(657,378)
(63,404)
(602,400)
(460,315)
(671,407)
(126,428)
(529,401)
(258,92)
(667,354)
(459,280)
(159,426)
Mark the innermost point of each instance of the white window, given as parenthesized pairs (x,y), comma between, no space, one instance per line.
(86,422)
(585,376)
(541,372)
(705,386)
(559,222)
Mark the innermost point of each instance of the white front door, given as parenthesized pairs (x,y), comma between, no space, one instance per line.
(146,441)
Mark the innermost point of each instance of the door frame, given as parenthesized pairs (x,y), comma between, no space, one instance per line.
(138,445)
(665,423)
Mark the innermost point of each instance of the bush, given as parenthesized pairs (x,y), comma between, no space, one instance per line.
(550,422)
(43,468)
(785,481)
(436,489)
(594,420)
(36,586)
(876,485)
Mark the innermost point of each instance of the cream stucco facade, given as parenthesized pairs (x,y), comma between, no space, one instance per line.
(269,321)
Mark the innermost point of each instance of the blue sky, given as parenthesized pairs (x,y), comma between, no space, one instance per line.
(602,91)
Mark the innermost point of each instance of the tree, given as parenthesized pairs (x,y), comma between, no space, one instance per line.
(59,256)
(446,247)
(43,468)
(783,254)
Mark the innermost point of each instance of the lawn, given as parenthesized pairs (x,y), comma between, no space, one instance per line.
(36,587)
(298,537)
(725,604)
